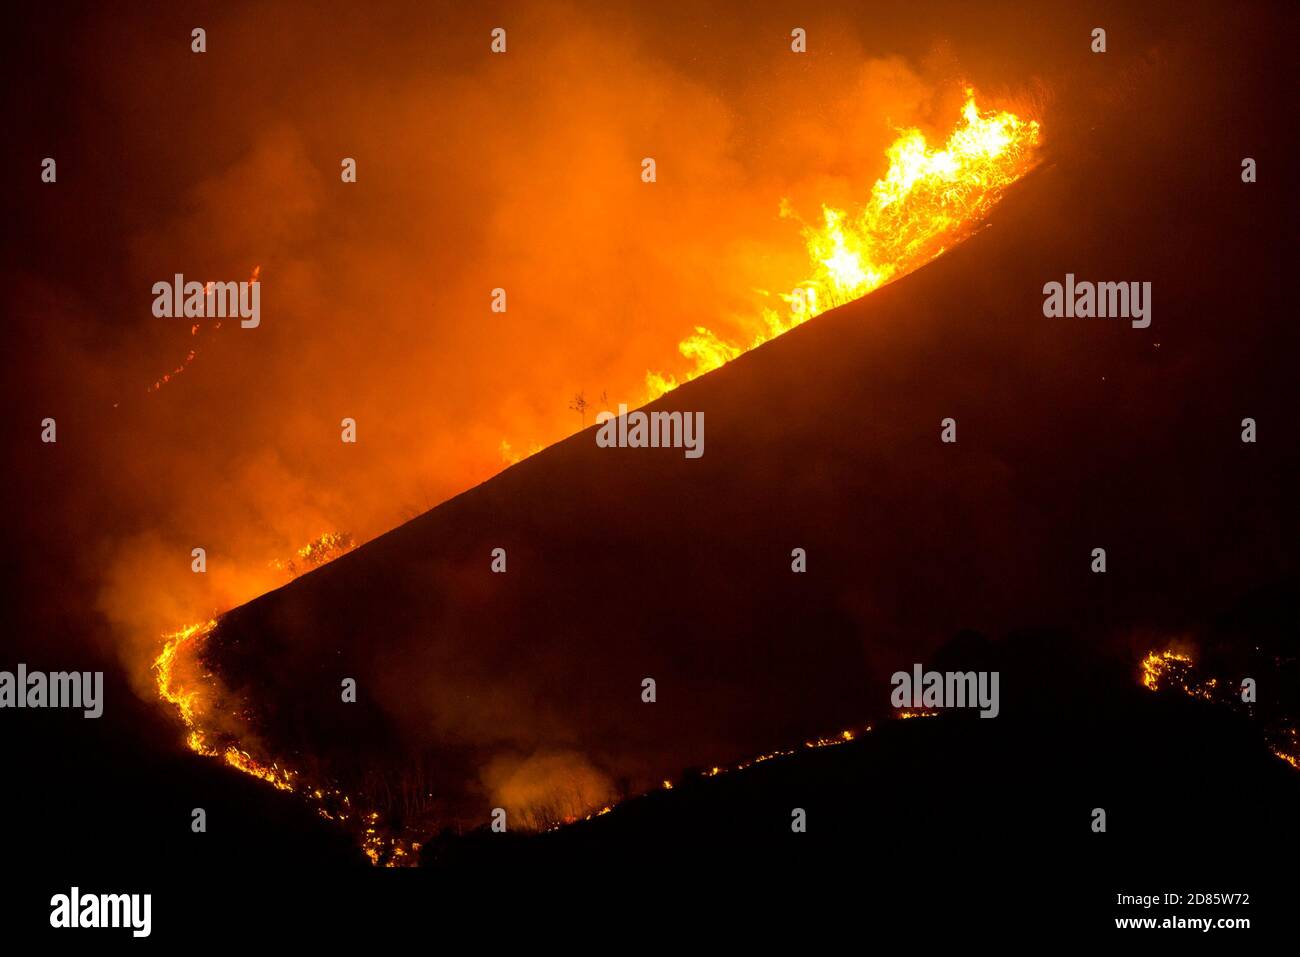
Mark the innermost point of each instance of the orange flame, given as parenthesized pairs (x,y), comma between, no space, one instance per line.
(930,198)
(183,683)
(1157,664)
(180,683)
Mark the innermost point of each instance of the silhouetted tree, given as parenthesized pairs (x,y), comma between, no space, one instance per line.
(579,405)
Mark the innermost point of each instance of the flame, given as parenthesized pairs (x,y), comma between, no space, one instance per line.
(195,693)
(180,679)
(1158,665)
(928,200)
(319,551)
(166,669)
(843,737)
(1176,670)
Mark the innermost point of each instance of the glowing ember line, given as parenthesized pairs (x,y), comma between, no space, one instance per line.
(195,693)
(1174,670)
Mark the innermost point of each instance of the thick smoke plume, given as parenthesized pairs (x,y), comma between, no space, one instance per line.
(475,171)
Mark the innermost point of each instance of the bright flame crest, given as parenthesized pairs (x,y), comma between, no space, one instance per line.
(928,199)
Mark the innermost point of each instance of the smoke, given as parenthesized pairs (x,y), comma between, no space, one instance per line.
(546,788)
(475,171)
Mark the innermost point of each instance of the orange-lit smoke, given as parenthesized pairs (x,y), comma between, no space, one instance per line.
(474,171)
(929,199)
(546,789)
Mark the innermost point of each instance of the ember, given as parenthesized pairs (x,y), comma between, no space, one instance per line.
(1176,670)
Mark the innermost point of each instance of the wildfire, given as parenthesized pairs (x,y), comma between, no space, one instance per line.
(845,736)
(179,678)
(929,199)
(183,683)
(1161,665)
(1290,759)
(315,553)
(197,696)
(1176,670)
(166,669)
(842,738)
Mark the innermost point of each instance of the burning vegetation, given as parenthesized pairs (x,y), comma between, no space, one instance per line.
(390,819)
(929,199)
(219,726)
(183,682)
(316,553)
(214,727)
(1176,670)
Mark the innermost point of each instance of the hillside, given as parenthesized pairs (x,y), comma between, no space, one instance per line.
(524,688)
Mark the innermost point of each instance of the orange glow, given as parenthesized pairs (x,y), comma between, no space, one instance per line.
(928,199)
(511,456)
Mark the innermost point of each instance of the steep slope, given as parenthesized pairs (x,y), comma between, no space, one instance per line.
(524,688)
